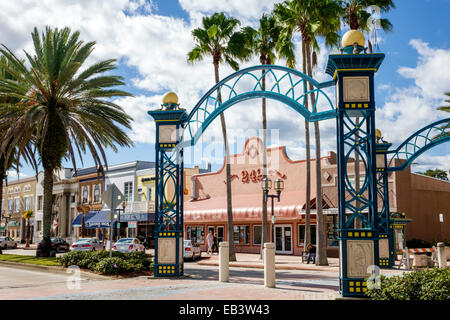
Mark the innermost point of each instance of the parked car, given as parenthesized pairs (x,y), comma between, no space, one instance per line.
(191,250)
(87,244)
(128,245)
(7,242)
(60,245)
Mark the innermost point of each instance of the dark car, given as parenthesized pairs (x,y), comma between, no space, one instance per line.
(58,245)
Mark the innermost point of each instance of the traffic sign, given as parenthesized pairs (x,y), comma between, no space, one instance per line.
(112,197)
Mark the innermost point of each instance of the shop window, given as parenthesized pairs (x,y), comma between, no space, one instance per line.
(97,193)
(301,234)
(196,233)
(241,234)
(257,233)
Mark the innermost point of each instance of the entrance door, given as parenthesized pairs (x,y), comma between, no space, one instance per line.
(220,234)
(283,239)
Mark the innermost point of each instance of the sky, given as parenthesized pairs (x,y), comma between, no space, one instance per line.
(150,40)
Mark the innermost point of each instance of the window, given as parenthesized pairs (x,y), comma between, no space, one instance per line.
(128,190)
(301,234)
(149,193)
(97,193)
(85,194)
(139,194)
(39,225)
(17,205)
(257,233)
(241,234)
(27,201)
(10,205)
(196,234)
(27,188)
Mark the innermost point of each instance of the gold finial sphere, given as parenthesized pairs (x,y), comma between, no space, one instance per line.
(352,36)
(170,98)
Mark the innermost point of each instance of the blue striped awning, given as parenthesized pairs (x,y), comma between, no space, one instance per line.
(77,221)
(100,219)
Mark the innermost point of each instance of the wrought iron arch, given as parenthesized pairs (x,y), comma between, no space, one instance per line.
(421,141)
(286,85)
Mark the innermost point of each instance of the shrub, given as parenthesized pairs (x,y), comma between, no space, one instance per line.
(113,265)
(429,284)
(100,261)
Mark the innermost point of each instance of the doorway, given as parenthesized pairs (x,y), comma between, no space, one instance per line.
(283,239)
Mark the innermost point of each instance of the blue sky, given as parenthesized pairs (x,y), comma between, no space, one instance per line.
(150,39)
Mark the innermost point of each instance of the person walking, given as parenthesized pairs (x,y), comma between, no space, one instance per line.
(210,240)
(311,253)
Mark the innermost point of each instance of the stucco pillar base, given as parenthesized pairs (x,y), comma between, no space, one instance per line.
(224,261)
(269,265)
(441,255)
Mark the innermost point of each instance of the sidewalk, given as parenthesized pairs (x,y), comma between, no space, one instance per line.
(282,262)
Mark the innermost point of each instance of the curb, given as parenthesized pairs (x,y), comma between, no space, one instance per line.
(277,267)
(52,269)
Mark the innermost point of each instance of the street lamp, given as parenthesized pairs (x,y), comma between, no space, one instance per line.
(278,186)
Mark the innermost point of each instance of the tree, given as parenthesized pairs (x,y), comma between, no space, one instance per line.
(62,107)
(436,173)
(217,38)
(27,216)
(263,42)
(313,19)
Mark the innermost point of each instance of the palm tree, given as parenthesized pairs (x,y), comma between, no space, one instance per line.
(62,107)
(263,43)
(217,38)
(27,216)
(447,107)
(312,19)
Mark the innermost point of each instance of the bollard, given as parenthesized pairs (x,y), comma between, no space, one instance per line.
(224,261)
(441,255)
(269,265)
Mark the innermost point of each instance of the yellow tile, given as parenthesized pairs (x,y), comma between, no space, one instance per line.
(351,283)
(358,283)
(363,234)
(369,234)
(364,289)
(356,234)
(359,105)
(366,105)
(351,290)
(350,234)
(353,105)
(358,290)
(364,283)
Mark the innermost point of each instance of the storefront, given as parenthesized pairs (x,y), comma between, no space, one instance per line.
(207,209)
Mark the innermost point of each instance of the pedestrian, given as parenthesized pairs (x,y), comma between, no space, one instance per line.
(100,236)
(210,240)
(311,253)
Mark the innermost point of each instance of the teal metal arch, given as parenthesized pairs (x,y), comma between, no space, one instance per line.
(286,85)
(421,141)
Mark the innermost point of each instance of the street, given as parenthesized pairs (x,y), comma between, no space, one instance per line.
(199,283)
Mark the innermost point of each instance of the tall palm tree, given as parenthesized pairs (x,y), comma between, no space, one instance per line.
(218,38)
(263,43)
(447,107)
(312,19)
(62,107)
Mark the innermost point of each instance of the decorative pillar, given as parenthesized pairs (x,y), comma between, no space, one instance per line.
(385,231)
(354,73)
(169,188)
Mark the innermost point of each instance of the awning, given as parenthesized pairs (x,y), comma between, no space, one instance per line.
(125,217)
(77,221)
(100,219)
(245,208)
(13,224)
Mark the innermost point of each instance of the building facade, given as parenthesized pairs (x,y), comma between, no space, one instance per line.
(206,210)
(18,196)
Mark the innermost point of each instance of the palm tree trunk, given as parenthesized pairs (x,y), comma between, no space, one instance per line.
(232,255)
(2,176)
(321,259)
(47,211)
(27,245)
(264,229)
(308,166)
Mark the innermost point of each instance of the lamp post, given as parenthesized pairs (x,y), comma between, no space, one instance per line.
(6,216)
(278,186)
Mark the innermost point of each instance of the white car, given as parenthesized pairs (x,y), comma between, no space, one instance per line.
(191,250)
(7,242)
(128,245)
(87,244)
